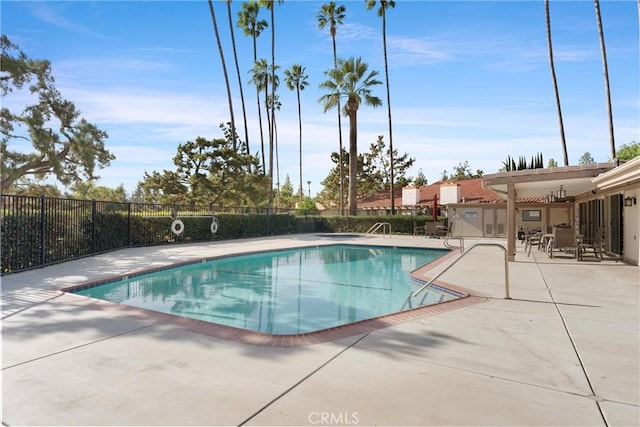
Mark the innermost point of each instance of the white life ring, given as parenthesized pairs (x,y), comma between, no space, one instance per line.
(214,225)
(177,227)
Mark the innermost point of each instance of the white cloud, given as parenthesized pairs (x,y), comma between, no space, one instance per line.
(416,51)
(143,156)
(90,66)
(54,16)
(350,32)
(140,106)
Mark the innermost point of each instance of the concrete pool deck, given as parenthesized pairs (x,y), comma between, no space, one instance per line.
(563,351)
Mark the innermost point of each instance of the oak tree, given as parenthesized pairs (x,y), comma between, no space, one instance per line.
(48,136)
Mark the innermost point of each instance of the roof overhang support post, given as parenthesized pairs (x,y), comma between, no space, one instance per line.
(511,222)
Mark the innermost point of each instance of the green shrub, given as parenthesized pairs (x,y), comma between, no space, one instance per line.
(21,243)
(86,227)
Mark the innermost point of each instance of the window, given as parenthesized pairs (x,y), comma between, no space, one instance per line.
(531,215)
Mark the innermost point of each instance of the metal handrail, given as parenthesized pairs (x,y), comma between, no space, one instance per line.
(375,227)
(450,246)
(506,268)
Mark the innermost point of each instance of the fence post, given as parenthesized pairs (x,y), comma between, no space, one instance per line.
(268,217)
(42,229)
(129,224)
(93,225)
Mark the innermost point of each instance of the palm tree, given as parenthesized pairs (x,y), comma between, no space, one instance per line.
(296,79)
(252,26)
(334,15)
(555,83)
(271,103)
(350,80)
(274,106)
(226,76)
(605,70)
(382,12)
(261,78)
(235,57)
(269,4)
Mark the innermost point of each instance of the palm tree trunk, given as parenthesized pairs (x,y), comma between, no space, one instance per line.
(275,136)
(352,110)
(255,59)
(300,128)
(235,57)
(605,70)
(267,112)
(335,64)
(386,75)
(273,96)
(226,76)
(555,83)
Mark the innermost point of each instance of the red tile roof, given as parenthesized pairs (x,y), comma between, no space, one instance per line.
(471,191)
(530,200)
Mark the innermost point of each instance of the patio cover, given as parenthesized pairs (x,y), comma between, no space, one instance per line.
(621,176)
(529,183)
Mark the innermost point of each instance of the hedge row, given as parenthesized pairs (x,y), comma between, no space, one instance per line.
(27,242)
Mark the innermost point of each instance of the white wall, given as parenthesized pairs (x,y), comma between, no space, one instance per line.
(632,228)
(494,222)
(466,221)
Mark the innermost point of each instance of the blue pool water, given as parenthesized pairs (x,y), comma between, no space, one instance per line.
(282,292)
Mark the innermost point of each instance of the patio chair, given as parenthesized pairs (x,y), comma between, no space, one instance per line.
(531,237)
(592,245)
(418,229)
(521,235)
(442,231)
(563,240)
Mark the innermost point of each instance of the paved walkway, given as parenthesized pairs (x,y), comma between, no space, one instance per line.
(563,351)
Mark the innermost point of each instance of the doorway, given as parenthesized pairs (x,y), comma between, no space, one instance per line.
(615,224)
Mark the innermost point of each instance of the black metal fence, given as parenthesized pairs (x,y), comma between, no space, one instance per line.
(38,230)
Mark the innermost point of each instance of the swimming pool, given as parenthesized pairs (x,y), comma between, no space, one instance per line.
(292,291)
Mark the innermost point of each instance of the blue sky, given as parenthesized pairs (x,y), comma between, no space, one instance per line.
(469,81)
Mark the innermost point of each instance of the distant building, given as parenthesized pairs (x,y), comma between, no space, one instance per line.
(584,197)
(420,200)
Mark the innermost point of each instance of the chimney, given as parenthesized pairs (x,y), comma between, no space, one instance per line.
(410,196)
(449,193)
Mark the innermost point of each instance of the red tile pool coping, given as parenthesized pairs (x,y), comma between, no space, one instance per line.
(259,339)
(284,340)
